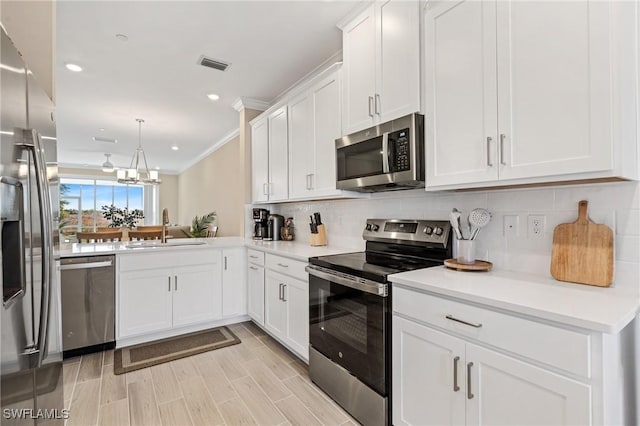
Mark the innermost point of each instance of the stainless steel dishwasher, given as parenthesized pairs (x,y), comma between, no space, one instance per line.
(88,304)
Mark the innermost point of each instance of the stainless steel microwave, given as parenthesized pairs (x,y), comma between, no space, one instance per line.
(385,157)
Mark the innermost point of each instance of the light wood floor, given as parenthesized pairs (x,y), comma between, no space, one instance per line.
(257,382)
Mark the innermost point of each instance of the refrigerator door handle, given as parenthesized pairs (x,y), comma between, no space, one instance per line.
(31,141)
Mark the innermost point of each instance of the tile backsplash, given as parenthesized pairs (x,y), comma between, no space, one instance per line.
(614,204)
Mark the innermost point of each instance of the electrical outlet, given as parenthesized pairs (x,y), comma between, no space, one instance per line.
(535,226)
(510,225)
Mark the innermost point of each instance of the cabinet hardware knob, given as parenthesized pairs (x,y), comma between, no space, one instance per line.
(456,388)
(472,324)
(469,393)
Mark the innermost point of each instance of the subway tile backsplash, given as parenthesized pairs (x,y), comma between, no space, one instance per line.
(614,204)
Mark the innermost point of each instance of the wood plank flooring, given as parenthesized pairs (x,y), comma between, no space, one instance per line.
(258,382)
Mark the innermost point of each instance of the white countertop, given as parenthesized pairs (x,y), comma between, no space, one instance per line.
(595,308)
(292,249)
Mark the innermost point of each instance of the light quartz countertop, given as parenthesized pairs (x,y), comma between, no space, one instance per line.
(594,308)
(291,249)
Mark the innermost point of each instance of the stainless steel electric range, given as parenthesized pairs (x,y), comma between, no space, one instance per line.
(350,312)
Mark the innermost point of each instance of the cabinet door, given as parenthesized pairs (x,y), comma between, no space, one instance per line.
(255,284)
(327,117)
(275,313)
(359,52)
(554,87)
(260,161)
(144,301)
(296,296)
(460,92)
(278,156)
(428,376)
(234,283)
(197,292)
(301,146)
(398,59)
(507,391)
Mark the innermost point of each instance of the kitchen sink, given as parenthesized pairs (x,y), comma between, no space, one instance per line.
(155,243)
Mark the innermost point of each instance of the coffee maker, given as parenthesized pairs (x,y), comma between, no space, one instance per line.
(275,222)
(260,217)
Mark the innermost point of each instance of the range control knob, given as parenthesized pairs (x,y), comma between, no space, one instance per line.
(375,228)
(428,230)
(438,231)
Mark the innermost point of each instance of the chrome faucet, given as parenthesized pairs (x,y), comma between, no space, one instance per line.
(165,222)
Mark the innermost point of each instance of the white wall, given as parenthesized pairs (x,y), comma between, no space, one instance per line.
(614,204)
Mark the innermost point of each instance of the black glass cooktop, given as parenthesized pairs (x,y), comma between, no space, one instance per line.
(372,266)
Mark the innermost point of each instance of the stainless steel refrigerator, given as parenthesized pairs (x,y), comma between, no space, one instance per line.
(31,388)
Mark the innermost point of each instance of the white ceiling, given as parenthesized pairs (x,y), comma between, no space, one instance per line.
(155,75)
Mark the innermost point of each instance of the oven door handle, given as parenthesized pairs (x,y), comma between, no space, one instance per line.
(362,284)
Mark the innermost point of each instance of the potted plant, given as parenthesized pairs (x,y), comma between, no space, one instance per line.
(200,225)
(119,218)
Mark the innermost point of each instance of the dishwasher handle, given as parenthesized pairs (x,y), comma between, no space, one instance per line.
(90,265)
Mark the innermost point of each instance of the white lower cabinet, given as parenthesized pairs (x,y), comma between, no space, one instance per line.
(255,292)
(234,283)
(286,303)
(192,290)
(446,379)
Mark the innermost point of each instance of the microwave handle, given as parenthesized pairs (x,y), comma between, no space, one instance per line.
(385,152)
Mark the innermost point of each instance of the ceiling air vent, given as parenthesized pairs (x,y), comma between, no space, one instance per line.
(213,63)
(101,139)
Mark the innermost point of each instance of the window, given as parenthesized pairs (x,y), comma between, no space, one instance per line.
(81,202)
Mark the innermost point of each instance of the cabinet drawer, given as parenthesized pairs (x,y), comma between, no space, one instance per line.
(287,266)
(559,347)
(256,257)
(155,259)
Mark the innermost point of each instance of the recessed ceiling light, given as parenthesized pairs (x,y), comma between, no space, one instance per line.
(101,129)
(73,67)
(175,147)
(101,139)
(213,96)
(123,38)
(157,167)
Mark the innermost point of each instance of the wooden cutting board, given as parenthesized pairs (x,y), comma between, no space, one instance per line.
(583,251)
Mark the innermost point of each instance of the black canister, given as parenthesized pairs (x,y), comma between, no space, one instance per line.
(274,226)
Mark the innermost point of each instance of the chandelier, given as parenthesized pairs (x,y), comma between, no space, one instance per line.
(138,171)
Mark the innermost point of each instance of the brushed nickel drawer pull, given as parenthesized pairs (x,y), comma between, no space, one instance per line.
(469,393)
(253,268)
(472,324)
(169,279)
(489,163)
(456,388)
(502,137)
(253,257)
(283,265)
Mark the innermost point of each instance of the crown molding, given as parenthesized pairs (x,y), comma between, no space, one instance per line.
(248,103)
(353,13)
(216,146)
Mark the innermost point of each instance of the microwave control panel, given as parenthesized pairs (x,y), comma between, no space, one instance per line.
(401,160)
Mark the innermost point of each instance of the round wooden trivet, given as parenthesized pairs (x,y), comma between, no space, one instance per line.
(479,265)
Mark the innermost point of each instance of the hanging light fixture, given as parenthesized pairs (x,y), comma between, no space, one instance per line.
(138,171)
(107,166)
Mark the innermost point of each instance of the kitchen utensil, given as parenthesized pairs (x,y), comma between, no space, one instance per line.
(583,251)
(317,218)
(466,251)
(478,218)
(454,218)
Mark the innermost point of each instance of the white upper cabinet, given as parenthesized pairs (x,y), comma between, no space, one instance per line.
(269,157)
(278,186)
(527,92)
(460,100)
(314,125)
(260,160)
(381,64)
(359,52)
(554,87)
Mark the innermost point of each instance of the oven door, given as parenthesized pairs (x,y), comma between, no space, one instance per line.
(349,324)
